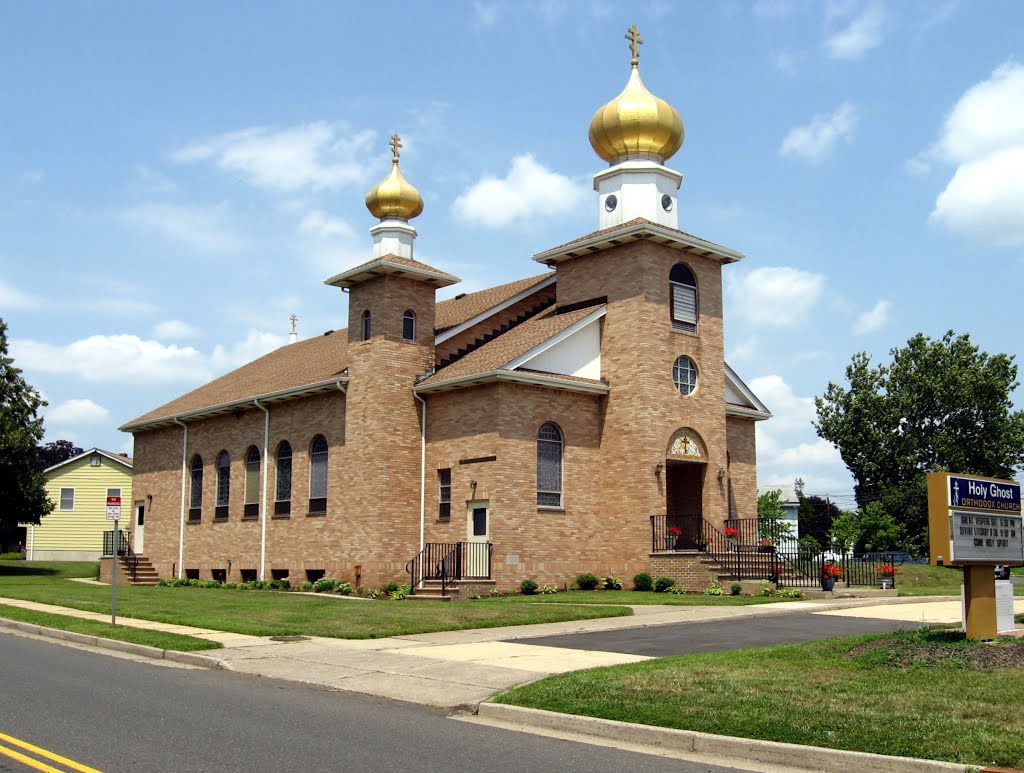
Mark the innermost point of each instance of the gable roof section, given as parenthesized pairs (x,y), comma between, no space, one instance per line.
(635,230)
(294,370)
(396,265)
(125,460)
(471,308)
(740,400)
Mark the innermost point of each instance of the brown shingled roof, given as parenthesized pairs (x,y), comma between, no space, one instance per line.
(292,366)
(507,347)
(455,311)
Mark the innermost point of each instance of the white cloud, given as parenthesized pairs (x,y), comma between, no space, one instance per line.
(202,229)
(529,191)
(33,176)
(813,141)
(864,32)
(815,454)
(789,410)
(174,330)
(256,344)
(82,411)
(323,225)
(317,155)
(984,135)
(152,181)
(779,296)
(872,320)
(13,298)
(486,15)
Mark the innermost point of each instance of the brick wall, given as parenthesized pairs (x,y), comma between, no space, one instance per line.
(688,570)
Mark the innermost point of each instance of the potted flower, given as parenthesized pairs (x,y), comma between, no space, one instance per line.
(766,546)
(731,532)
(672,535)
(829,574)
(775,572)
(888,576)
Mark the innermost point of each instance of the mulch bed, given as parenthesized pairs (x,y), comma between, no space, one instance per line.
(997,654)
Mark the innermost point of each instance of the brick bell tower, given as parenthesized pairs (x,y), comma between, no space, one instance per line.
(390,342)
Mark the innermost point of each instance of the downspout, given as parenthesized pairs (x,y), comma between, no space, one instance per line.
(263,495)
(423,471)
(31,541)
(181,518)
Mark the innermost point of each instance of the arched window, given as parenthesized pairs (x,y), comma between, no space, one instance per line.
(318,475)
(684,374)
(252,483)
(367,327)
(223,486)
(283,497)
(683,289)
(409,325)
(195,491)
(549,466)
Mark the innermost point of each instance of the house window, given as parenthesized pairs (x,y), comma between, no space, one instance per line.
(279,574)
(409,325)
(683,289)
(248,575)
(444,494)
(95,460)
(684,374)
(367,328)
(223,486)
(252,483)
(318,475)
(220,575)
(67,499)
(549,466)
(312,575)
(191,574)
(283,495)
(195,494)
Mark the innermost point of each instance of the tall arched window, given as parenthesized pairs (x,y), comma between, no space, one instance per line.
(367,327)
(409,325)
(683,288)
(252,483)
(549,466)
(318,475)
(223,486)
(195,490)
(283,496)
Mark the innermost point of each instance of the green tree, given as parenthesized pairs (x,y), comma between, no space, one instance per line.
(938,406)
(22,487)
(879,530)
(845,531)
(56,452)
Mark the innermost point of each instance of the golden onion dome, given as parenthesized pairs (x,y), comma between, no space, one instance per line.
(394,196)
(636,124)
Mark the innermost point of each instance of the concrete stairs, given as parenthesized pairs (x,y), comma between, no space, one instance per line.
(145,574)
(458,590)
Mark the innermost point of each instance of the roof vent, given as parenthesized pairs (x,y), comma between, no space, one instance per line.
(460,296)
(328,332)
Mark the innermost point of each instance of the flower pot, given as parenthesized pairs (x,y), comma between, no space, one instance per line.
(828,583)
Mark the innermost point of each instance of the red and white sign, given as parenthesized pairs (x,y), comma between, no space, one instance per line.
(113,508)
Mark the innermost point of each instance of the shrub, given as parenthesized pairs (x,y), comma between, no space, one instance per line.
(611,583)
(765,589)
(280,585)
(229,586)
(549,589)
(643,581)
(326,585)
(15,556)
(662,584)
(790,593)
(528,587)
(495,593)
(676,590)
(391,587)
(306,586)
(212,584)
(586,581)
(377,593)
(399,593)
(344,588)
(735,589)
(473,596)
(714,589)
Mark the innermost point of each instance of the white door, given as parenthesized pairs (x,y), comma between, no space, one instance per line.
(478,537)
(138,526)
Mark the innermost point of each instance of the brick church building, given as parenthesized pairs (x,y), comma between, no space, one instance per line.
(538,429)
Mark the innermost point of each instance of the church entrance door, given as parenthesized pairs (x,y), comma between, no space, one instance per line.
(684,495)
(478,537)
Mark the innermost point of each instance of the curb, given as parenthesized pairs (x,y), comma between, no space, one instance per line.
(142,650)
(794,756)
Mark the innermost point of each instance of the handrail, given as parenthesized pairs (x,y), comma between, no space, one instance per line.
(450,561)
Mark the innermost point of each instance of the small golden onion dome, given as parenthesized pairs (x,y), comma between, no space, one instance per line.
(636,124)
(394,196)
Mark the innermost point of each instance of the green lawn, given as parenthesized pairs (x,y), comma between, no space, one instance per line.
(926,580)
(813,694)
(266,613)
(642,597)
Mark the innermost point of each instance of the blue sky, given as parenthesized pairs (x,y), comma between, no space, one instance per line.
(177,179)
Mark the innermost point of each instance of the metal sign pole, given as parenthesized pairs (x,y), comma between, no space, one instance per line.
(115,569)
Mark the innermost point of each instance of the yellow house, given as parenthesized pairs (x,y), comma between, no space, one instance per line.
(79,488)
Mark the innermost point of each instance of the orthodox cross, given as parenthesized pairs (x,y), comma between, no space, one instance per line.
(293,319)
(396,143)
(634,43)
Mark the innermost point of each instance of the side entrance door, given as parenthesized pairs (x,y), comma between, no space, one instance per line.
(478,539)
(139,527)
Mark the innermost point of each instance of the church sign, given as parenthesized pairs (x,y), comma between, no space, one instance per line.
(687,445)
(974,520)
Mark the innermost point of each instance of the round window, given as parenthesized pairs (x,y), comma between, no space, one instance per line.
(684,373)
(611,203)
(666,203)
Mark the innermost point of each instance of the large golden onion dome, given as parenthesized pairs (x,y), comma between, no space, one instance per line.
(394,196)
(636,124)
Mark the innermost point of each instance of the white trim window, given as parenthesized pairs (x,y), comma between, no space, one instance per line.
(251,506)
(444,494)
(67,499)
(549,466)
(318,475)
(683,289)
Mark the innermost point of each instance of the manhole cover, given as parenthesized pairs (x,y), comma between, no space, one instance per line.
(289,638)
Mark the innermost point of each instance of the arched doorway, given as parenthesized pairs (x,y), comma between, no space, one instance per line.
(685,467)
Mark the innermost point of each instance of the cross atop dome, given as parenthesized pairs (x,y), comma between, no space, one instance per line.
(634,45)
(396,143)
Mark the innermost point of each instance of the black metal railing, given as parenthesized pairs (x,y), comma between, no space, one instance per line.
(449,561)
(124,550)
(765,549)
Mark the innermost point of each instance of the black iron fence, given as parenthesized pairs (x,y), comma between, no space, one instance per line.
(121,539)
(448,561)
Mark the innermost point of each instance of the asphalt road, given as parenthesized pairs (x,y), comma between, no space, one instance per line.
(684,638)
(121,715)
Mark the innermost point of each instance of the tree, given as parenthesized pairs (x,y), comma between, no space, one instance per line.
(939,406)
(22,487)
(56,452)
(845,531)
(879,530)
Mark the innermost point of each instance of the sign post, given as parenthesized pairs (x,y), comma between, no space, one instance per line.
(114,514)
(975,523)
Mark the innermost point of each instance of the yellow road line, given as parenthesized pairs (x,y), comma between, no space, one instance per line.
(42,753)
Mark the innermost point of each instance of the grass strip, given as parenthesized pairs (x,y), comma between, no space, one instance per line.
(159,639)
(813,694)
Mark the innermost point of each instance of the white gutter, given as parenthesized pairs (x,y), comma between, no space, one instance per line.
(263,495)
(423,479)
(500,374)
(181,519)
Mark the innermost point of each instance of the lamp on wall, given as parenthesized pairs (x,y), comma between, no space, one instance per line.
(658,468)
(721,473)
